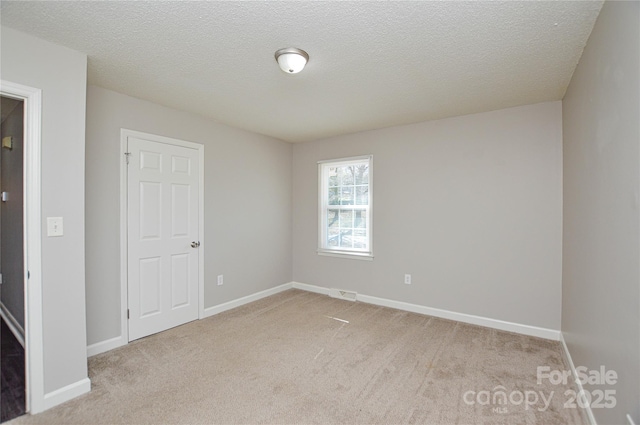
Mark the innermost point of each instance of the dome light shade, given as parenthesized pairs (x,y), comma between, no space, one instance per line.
(292,60)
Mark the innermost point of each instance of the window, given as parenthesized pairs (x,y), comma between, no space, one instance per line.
(345,207)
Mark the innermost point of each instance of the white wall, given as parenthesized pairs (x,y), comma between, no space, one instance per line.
(247,204)
(61,74)
(470,206)
(601,278)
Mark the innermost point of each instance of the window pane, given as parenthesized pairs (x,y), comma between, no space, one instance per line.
(333,176)
(360,239)
(347,175)
(346,240)
(362,174)
(333,237)
(346,197)
(362,195)
(360,221)
(333,218)
(346,218)
(334,197)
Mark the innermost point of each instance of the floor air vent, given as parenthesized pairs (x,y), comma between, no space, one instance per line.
(343,295)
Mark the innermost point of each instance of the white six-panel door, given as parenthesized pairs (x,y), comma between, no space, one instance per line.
(163,219)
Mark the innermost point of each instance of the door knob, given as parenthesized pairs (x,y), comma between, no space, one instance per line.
(195,244)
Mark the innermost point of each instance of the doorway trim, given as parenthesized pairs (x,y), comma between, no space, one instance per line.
(124,222)
(32,236)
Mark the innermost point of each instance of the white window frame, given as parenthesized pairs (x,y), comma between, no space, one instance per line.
(323,200)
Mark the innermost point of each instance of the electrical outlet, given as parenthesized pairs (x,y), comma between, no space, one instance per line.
(407,279)
(220,279)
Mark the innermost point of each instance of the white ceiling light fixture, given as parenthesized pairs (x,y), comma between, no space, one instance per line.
(292,60)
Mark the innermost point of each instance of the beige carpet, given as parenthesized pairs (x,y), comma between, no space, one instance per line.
(299,357)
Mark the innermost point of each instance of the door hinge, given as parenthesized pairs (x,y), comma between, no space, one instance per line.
(127,313)
(127,155)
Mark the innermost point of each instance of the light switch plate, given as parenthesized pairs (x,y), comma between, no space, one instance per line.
(7,142)
(54,226)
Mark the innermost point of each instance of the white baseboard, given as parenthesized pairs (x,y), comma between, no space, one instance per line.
(574,373)
(12,324)
(104,346)
(446,314)
(551,334)
(466,318)
(64,394)
(311,288)
(216,309)
(119,341)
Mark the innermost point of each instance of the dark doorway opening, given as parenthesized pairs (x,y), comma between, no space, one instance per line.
(12,265)
(13,391)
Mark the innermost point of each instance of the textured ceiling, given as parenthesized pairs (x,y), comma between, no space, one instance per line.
(372,64)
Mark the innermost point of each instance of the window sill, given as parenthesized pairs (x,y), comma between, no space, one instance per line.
(348,255)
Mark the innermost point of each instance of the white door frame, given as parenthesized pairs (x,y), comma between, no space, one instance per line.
(32,236)
(124,221)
